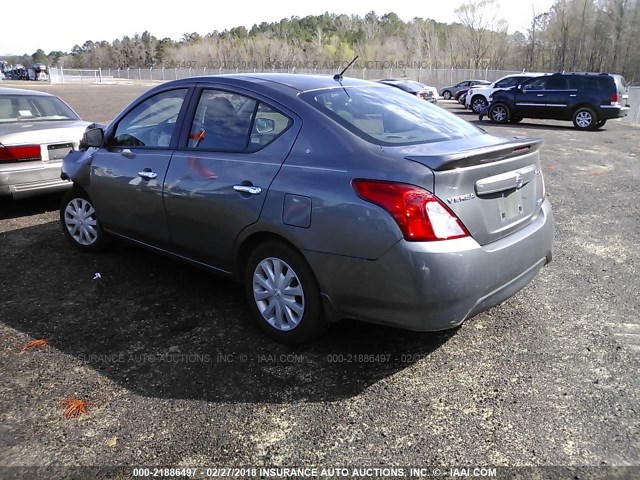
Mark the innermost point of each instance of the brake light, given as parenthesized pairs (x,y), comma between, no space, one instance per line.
(615,98)
(20,153)
(419,214)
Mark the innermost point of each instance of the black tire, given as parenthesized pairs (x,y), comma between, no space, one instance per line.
(601,123)
(585,118)
(88,236)
(499,113)
(515,119)
(478,104)
(300,325)
(446,95)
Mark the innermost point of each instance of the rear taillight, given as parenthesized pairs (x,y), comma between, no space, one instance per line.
(20,153)
(419,214)
(615,98)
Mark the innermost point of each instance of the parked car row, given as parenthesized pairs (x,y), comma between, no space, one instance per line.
(328,197)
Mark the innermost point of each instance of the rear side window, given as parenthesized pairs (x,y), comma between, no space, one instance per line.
(226,121)
(588,83)
(384,115)
(557,83)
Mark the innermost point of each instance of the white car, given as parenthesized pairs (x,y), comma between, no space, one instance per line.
(37,130)
(478,96)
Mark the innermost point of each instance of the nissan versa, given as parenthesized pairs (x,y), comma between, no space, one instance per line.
(328,197)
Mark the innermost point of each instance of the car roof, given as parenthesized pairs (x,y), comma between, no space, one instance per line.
(291,82)
(22,91)
(522,74)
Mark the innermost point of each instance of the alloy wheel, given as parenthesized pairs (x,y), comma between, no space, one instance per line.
(584,119)
(499,114)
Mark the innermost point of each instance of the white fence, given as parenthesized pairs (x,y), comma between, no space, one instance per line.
(437,77)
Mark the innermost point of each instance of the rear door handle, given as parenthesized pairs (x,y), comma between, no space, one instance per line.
(248,189)
(147,174)
(573,95)
(540,95)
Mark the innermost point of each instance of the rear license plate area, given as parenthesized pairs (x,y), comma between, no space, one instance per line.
(59,151)
(511,206)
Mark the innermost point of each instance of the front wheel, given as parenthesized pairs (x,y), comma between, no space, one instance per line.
(80,223)
(478,104)
(499,113)
(585,119)
(283,295)
(446,94)
(515,119)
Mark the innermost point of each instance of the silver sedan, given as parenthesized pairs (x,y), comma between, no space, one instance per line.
(37,130)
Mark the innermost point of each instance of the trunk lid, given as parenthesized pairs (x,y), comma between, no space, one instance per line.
(55,138)
(495,187)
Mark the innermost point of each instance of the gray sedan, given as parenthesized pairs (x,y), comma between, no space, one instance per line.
(454,90)
(329,198)
(37,130)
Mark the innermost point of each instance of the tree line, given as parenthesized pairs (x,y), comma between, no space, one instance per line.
(574,35)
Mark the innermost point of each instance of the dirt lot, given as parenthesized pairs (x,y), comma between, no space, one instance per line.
(178,375)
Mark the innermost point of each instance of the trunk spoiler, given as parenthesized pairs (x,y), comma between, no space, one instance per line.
(468,158)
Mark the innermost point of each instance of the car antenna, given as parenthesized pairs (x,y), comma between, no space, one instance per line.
(338,76)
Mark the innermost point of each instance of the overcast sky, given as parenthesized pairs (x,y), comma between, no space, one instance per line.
(60,25)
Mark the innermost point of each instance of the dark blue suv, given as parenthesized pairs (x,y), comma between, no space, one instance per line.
(587,99)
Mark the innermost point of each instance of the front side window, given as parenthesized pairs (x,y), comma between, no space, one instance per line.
(152,122)
(539,83)
(386,116)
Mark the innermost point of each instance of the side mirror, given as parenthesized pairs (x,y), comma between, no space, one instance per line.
(93,137)
(265,125)
(519,88)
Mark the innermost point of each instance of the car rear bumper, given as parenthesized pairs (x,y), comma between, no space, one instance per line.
(614,111)
(28,179)
(430,286)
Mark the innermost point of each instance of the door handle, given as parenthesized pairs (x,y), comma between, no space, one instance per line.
(573,95)
(540,95)
(148,175)
(248,189)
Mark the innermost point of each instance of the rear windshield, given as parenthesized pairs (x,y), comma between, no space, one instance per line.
(32,108)
(384,115)
(408,86)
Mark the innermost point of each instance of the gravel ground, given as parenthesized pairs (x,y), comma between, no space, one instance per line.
(179,376)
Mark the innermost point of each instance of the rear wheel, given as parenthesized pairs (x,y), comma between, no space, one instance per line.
(478,104)
(515,119)
(499,113)
(585,119)
(283,295)
(601,123)
(446,94)
(80,223)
